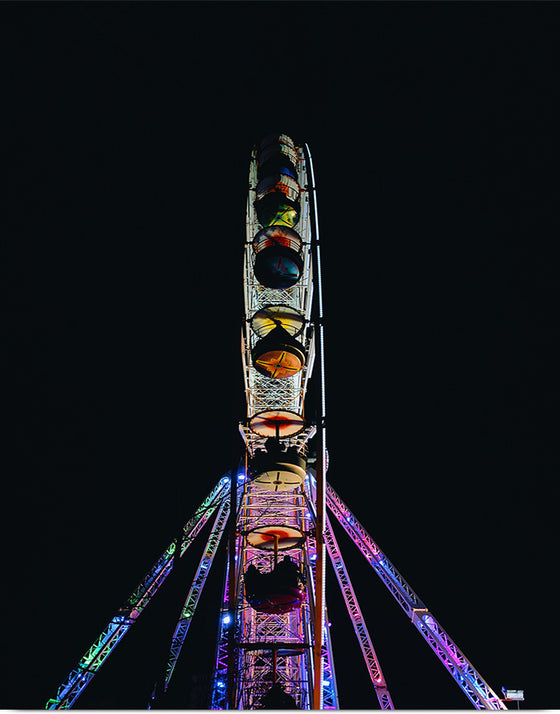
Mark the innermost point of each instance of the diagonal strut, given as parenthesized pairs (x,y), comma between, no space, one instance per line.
(471,682)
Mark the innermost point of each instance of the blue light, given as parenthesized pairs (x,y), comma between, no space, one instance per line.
(226,619)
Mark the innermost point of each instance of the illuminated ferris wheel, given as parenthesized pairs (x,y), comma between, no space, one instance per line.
(273,645)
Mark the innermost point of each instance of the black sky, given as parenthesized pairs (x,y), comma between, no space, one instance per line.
(433,129)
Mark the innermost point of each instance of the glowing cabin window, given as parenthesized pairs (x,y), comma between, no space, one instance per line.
(278,268)
(279,423)
(283,215)
(267,318)
(278,363)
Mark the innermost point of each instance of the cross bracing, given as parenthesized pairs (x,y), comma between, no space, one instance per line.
(219,693)
(193,596)
(329,693)
(254,634)
(91,662)
(263,641)
(261,636)
(261,392)
(481,695)
(270,508)
(358,621)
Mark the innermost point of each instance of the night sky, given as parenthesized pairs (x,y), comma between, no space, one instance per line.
(127,131)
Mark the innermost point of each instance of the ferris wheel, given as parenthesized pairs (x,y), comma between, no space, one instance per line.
(273,647)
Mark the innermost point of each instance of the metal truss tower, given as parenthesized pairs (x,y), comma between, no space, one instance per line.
(273,645)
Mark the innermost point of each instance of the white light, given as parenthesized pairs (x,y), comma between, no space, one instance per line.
(514,694)
(226,619)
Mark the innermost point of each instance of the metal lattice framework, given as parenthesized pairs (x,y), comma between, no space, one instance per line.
(127,615)
(360,627)
(195,591)
(262,392)
(260,635)
(481,695)
(258,649)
